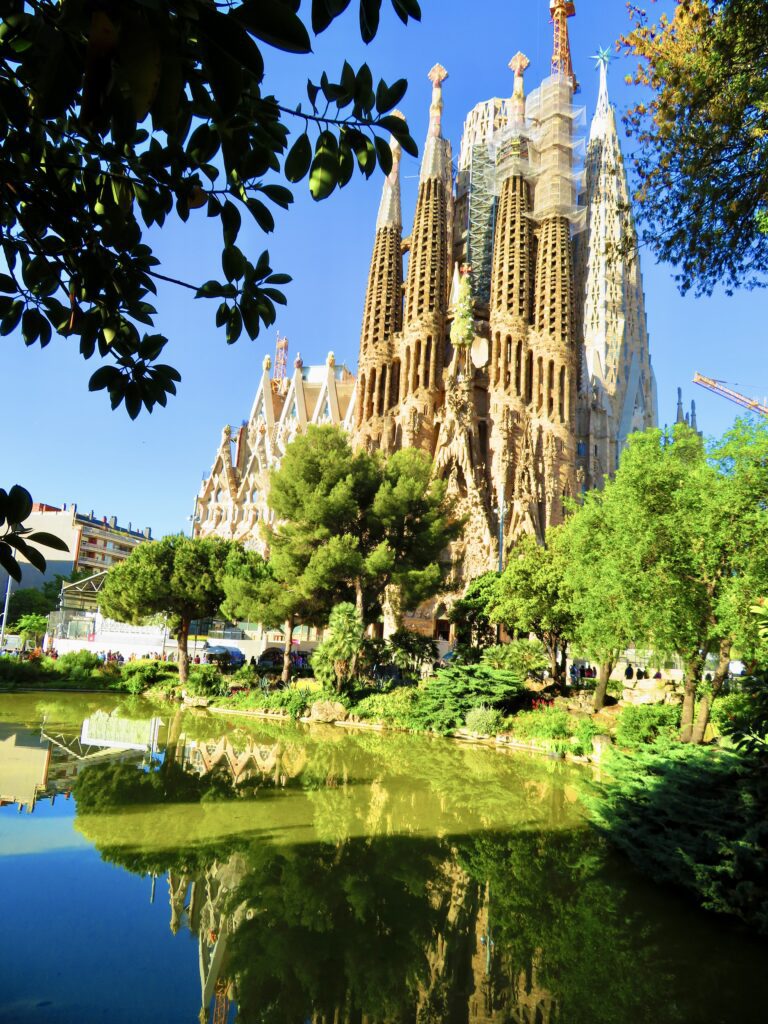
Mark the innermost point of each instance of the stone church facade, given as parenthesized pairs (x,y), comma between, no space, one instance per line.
(529,398)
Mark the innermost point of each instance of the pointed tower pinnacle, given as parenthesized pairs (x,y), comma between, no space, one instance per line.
(428,264)
(680,417)
(382,315)
(436,162)
(389,209)
(603,121)
(518,64)
(437,76)
(562,65)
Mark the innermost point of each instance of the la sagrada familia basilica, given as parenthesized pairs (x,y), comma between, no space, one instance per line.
(514,350)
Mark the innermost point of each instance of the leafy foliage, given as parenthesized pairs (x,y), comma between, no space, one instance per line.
(115,116)
(703,140)
(469,614)
(646,723)
(694,819)
(444,701)
(178,577)
(524,658)
(139,675)
(542,724)
(747,726)
(484,720)
(394,708)
(409,651)
(31,627)
(334,658)
(532,595)
(17,539)
(352,524)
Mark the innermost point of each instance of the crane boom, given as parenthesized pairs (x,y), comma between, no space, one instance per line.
(733,396)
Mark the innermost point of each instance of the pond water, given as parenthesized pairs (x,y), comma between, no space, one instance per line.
(231,870)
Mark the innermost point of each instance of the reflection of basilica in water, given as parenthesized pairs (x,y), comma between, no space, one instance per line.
(463,978)
(353,878)
(459,971)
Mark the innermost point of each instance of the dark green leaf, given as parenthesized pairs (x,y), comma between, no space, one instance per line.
(384,154)
(279,195)
(104,377)
(299,158)
(275,24)
(48,540)
(388,97)
(369,19)
(18,504)
(325,166)
(235,326)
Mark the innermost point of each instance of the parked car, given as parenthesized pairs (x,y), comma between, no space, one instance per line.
(225,656)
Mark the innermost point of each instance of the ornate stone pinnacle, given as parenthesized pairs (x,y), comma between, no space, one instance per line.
(331,360)
(298,362)
(437,75)
(518,64)
(267,363)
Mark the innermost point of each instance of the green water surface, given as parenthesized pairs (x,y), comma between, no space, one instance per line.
(263,872)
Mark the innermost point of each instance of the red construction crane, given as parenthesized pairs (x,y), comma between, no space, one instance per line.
(560,11)
(719,388)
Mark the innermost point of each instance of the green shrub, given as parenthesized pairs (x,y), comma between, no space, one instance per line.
(484,720)
(394,708)
(409,651)
(692,817)
(205,680)
(295,700)
(542,724)
(583,734)
(20,673)
(524,658)
(137,676)
(443,702)
(729,708)
(646,723)
(78,664)
(333,659)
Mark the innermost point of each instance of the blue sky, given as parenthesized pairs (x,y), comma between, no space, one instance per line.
(65,444)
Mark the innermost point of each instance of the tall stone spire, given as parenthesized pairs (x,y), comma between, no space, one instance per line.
(511,282)
(428,266)
(616,375)
(383,311)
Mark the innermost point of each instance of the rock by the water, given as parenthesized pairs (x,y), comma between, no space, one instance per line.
(328,711)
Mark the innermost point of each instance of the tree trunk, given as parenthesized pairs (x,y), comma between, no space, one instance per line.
(359,597)
(603,675)
(182,639)
(552,650)
(288,629)
(702,719)
(392,609)
(563,661)
(692,673)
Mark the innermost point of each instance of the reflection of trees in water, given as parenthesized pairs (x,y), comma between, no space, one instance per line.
(398,912)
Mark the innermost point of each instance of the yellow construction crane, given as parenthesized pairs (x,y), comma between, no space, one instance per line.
(719,388)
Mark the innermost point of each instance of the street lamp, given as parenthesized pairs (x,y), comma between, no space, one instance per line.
(500,510)
(5,612)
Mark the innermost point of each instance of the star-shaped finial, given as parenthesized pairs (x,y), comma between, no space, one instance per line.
(603,56)
(519,63)
(438,74)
